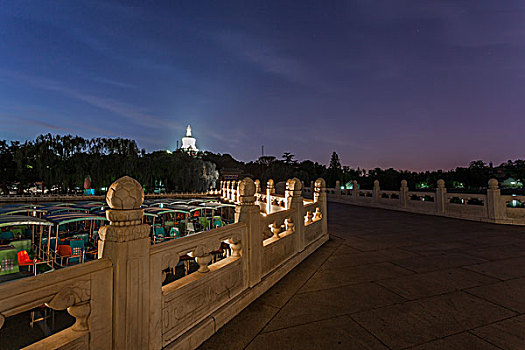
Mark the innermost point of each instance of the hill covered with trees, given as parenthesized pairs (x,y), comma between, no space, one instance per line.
(61,163)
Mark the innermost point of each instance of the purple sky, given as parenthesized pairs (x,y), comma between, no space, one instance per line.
(404,84)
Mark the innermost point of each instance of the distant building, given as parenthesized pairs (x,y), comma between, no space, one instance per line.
(228,174)
(189,142)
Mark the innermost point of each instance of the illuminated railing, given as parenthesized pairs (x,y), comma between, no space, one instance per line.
(133,296)
(489,207)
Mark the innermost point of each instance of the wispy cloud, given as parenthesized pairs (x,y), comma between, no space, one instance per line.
(130,112)
(113,82)
(264,56)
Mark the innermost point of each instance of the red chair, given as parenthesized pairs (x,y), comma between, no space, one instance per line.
(24,260)
(64,252)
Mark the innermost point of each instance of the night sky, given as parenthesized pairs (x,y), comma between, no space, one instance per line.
(404,84)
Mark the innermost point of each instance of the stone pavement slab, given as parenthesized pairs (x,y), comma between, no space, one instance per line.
(510,294)
(428,284)
(508,334)
(420,321)
(394,280)
(335,333)
(462,341)
(502,269)
(330,278)
(327,303)
(441,261)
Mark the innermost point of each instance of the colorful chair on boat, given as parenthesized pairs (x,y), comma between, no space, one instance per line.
(25,260)
(160,234)
(175,233)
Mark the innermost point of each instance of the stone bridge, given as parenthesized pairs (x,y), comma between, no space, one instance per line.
(394,280)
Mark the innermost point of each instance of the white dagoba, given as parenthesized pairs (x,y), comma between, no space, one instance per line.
(188,142)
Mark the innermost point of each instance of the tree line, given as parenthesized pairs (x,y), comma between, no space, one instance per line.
(474,177)
(60,164)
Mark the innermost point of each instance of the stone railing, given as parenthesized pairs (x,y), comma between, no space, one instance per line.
(134,296)
(84,290)
(489,207)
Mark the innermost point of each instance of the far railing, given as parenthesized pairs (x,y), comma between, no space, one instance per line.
(488,207)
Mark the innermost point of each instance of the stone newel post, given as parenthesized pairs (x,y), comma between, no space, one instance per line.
(125,241)
(248,212)
(320,196)
(237,198)
(270,189)
(495,206)
(375,191)
(227,189)
(403,194)
(338,189)
(441,200)
(294,191)
(355,190)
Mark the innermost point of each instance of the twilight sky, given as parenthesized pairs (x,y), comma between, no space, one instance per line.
(405,84)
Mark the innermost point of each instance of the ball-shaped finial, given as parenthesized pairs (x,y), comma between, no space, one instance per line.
(294,184)
(320,183)
(270,183)
(493,183)
(125,193)
(376,183)
(441,183)
(246,187)
(404,183)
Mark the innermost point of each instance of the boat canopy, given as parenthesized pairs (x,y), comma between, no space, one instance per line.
(20,205)
(14,220)
(67,217)
(52,209)
(182,207)
(11,211)
(89,206)
(215,205)
(57,204)
(156,211)
(96,203)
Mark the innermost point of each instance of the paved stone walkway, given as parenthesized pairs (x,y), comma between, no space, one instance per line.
(393,280)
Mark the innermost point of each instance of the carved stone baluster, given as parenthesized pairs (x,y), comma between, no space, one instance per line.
(76,301)
(235,247)
(309,217)
(203,257)
(290,226)
(276,228)
(317,215)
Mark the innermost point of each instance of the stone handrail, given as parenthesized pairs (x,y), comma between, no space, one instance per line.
(512,210)
(119,301)
(278,224)
(84,290)
(489,207)
(187,311)
(178,306)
